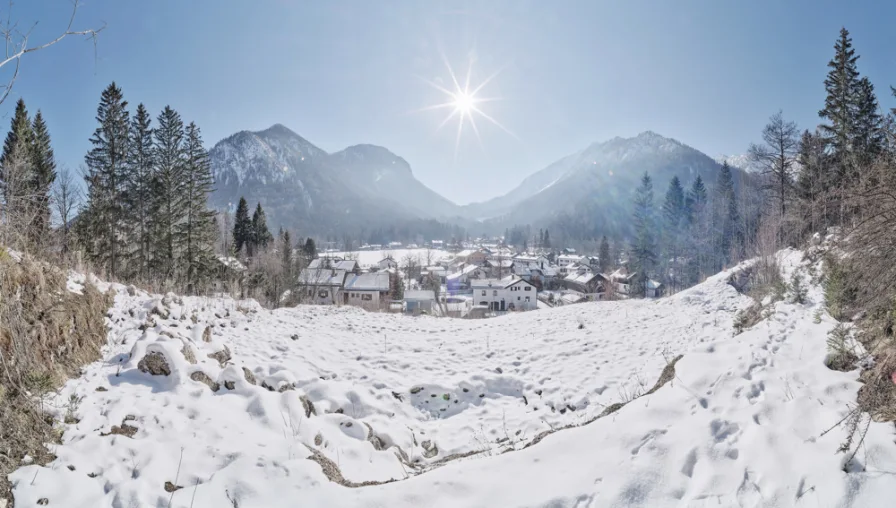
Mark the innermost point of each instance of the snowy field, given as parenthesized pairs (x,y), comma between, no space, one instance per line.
(448,409)
(366,258)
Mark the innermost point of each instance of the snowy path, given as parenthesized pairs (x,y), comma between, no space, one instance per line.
(740,424)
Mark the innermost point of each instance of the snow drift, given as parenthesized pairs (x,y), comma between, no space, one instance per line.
(214,402)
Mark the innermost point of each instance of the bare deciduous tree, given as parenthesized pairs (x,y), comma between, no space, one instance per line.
(18,43)
(66,197)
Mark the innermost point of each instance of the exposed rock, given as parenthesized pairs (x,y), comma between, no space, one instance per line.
(123,430)
(132,291)
(318,439)
(170,487)
(187,351)
(207,334)
(102,389)
(415,390)
(204,378)
(154,363)
(250,377)
(308,405)
(222,356)
(230,385)
(375,440)
(430,449)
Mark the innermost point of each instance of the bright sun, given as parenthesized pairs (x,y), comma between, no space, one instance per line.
(464,103)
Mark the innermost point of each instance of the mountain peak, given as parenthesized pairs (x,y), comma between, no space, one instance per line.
(372,157)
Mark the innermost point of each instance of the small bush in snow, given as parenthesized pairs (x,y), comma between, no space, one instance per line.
(798,290)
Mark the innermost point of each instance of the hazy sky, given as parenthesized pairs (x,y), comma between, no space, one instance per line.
(708,73)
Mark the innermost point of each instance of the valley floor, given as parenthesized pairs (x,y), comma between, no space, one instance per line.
(449,409)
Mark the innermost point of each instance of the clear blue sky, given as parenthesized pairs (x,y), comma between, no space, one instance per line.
(708,73)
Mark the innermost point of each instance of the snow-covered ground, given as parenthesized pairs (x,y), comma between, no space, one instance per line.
(367,258)
(741,423)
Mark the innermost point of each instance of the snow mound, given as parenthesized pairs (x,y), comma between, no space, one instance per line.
(423,411)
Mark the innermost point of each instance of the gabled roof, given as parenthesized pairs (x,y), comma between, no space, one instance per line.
(503,263)
(652,284)
(322,263)
(583,278)
(465,271)
(367,282)
(321,277)
(422,294)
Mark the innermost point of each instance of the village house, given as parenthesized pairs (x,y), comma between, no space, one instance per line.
(587,282)
(461,279)
(471,257)
(622,279)
(507,294)
(564,260)
(322,286)
(386,263)
(499,268)
(654,289)
(419,301)
(367,290)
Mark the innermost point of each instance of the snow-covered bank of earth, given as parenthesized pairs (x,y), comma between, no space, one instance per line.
(741,423)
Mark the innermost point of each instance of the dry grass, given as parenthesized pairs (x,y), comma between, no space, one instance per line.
(46,334)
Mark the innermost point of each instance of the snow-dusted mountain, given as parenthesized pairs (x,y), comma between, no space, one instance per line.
(592,189)
(741,161)
(303,187)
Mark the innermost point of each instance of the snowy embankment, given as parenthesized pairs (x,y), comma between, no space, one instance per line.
(436,403)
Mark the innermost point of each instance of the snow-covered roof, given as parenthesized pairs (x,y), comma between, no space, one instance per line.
(422,294)
(368,282)
(232,263)
(322,263)
(652,284)
(465,271)
(569,257)
(582,277)
(495,283)
(321,277)
(503,263)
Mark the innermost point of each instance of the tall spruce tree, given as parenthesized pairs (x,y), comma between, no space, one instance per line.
(674,222)
(286,258)
(261,235)
(698,227)
(169,152)
(726,220)
(43,174)
(197,230)
(142,192)
(606,263)
(643,248)
(242,227)
(309,249)
(106,176)
(868,141)
(14,177)
(841,86)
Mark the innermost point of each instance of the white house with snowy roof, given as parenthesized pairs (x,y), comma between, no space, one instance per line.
(367,290)
(507,294)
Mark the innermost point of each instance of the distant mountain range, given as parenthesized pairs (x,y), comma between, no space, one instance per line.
(367,188)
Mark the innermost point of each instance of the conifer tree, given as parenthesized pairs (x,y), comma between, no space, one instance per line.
(309,249)
(606,263)
(242,227)
(868,141)
(286,254)
(142,191)
(673,225)
(841,86)
(13,180)
(726,220)
(43,174)
(547,239)
(697,249)
(169,152)
(106,176)
(261,235)
(197,230)
(643,248)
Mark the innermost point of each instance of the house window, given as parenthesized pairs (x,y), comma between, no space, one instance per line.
(366,297)
(495,293)
(323,294)
(483,292)
(527,299)
(518,298)
(528,288)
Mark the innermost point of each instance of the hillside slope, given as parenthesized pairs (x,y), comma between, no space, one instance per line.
(462,413)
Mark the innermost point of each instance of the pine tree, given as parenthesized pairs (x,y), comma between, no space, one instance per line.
(196,232)
(43,174)
(15,165)
(547,239)
(841,86)
(606,263)
(726,220)
(242,227)
(19,130)
(142,191)
(169,152)
(286,254)
(673,224)
(698,246)
(868,142)
(261,235)
(309,249)
(106,175)
(643,248)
